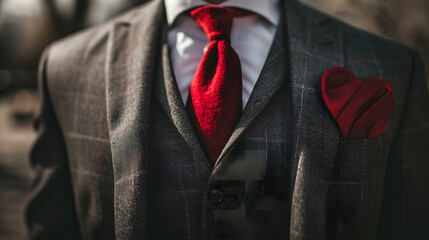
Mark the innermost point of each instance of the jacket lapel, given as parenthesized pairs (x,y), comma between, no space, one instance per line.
(315,44)
(132,47)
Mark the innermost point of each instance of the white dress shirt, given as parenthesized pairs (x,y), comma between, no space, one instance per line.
(251,37)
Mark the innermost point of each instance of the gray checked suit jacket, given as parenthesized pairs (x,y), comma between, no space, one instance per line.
(92,153)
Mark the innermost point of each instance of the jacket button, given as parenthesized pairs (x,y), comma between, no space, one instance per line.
(216,196)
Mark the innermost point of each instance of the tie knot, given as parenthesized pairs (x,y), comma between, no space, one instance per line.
(215,21)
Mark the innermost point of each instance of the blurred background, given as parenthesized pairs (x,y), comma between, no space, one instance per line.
(28,26)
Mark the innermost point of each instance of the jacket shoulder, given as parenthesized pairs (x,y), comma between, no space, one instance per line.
(92,41)
(359,41)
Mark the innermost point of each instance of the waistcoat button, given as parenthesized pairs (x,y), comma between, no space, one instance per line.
(216,196)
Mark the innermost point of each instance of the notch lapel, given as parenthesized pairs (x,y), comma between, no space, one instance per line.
(132,48)
(315,44)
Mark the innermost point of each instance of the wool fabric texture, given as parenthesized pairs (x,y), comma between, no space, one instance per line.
(361,108)
(216,87)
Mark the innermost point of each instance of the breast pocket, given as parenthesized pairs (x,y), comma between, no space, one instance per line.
(356,187)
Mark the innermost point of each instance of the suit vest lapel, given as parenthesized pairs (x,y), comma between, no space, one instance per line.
(272,76)
(168,95)
(315,44)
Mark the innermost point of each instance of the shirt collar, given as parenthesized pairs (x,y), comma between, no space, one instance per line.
(269,9)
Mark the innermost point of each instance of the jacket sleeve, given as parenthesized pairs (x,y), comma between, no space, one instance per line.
(405,212)
(50,213)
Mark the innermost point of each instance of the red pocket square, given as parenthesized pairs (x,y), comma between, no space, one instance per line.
(361,108)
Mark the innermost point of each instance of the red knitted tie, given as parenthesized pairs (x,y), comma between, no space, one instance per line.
(216,87)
